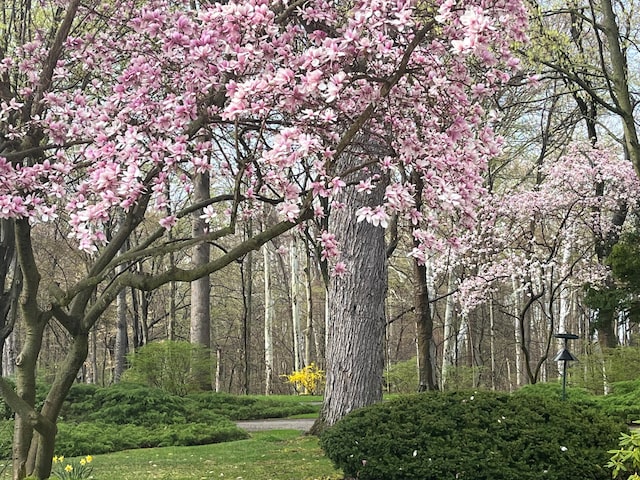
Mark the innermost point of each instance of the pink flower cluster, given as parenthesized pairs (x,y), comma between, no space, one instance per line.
(261,96)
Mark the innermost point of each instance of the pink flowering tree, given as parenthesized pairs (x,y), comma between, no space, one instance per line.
(109,112)
(539,241)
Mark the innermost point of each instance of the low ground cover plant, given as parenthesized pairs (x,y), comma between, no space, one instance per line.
(475,436)
(97,420)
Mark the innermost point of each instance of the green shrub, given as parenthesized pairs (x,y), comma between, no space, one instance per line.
(97,437)
(623,402)
(473,435)
(127,403)
(81,401)
(553,390)
(169,366)
(6,439)
(238,407)
(402,377)
(460,377)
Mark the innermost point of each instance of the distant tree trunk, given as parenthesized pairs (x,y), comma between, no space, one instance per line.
(10,282)
(519,376)
(355,351)
(200,331)
(173,286)
(450,341)
(268,323)
(173,291)
(298,342)
(247,296)
(424,324)
(9,354)
(218,387)
(93,357)
(492,343)
(121,344)
(424,318)
(308,332)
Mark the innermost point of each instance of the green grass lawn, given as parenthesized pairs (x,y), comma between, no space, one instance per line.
(273,455)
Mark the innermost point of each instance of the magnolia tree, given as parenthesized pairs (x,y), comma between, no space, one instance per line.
(538,241)
(110,111)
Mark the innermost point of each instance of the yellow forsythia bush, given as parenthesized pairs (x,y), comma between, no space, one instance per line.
(309,380)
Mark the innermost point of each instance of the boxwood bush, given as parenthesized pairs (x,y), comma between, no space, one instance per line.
(475,436)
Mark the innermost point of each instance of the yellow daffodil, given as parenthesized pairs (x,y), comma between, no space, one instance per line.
(68,468)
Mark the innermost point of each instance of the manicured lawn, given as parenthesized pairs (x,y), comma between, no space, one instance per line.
(274,455)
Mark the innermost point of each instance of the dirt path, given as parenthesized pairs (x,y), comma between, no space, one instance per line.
(302,424)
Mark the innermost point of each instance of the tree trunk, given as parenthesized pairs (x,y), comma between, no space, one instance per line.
(42,449)
(619,77)
(450,341)
(93,358)
(355,351)
(121,344)
(247,284)
(492,343)
(424,327)
(9,292)
(308,332)
(298,341)
(268,324)
(200,332)
(517,339)
(424,318)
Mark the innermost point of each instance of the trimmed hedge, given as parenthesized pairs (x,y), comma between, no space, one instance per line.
(475,436)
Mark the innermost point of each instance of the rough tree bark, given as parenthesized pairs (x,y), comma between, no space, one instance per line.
(355,336)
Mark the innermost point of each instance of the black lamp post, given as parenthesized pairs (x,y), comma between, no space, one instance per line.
(565,356)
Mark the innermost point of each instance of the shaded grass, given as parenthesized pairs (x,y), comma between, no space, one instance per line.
(272,455)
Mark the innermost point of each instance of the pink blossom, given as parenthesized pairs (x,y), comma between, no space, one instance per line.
(376,216)
(168,222)
(289,210)
(339,269)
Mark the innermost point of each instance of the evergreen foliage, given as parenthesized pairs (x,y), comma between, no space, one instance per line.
(246,407)
(623,402)
(473,435)
(402,377)
(127,416)
(168,365)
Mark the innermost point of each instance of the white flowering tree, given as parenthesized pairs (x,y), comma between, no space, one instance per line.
(539,240)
